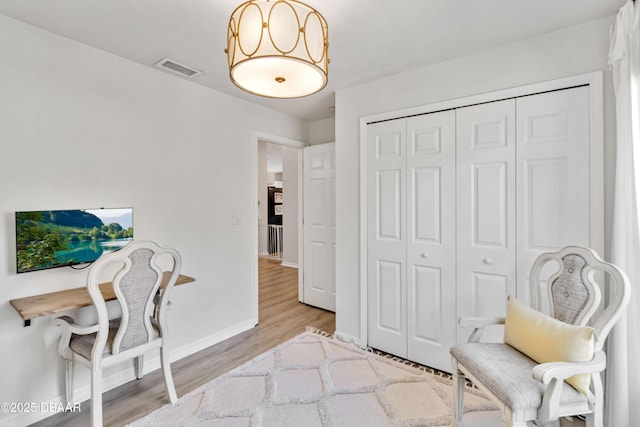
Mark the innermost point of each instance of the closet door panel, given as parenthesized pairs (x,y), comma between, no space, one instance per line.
(388,293)
(426,211)
(431,278)
(553,176)
(487,289)
(489,194)
(386,236)
(486,241)
(424,301)
(544,226)
(388,188)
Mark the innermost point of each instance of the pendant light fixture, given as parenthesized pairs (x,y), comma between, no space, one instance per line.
(278,48)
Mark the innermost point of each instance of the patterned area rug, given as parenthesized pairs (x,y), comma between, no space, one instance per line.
(315,380)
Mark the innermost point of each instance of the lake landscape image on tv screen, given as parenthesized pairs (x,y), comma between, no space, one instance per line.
(47,239)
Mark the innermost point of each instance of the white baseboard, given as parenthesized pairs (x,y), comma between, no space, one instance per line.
(206,342)
(288,264)
(127,374)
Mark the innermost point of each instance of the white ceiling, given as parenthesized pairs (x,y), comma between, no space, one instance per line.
(369,39)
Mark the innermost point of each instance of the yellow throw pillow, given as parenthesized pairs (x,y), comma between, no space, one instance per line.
(545,339)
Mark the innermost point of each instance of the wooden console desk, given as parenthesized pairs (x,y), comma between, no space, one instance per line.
(55,302)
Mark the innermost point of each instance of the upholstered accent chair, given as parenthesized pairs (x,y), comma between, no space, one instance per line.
(136,272)
(549,365)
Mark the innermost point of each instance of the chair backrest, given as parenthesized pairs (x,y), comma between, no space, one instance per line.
(573,293)
(136,282)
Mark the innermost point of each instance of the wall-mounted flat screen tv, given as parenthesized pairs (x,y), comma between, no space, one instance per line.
(49,239)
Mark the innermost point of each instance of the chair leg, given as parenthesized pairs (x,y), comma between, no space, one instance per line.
(96,397)
(458,394)
(138,364)
(68,380)
(166,372)
(596,418)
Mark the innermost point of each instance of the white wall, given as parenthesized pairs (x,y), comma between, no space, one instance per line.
(291,166)
(81,128)
(322,131)
(264,178)
(570,52)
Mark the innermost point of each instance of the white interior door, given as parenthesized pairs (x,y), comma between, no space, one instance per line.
(319,281)
(386,237)
(486,211)
(431,239)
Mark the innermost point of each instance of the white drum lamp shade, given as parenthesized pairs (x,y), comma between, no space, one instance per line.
(278,48)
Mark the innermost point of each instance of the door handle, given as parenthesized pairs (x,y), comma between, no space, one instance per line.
(487,260)
(424,255)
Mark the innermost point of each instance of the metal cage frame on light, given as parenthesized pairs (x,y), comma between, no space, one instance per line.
(267,47)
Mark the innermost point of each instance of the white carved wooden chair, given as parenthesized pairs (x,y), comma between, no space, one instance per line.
(527,374)
(142,326)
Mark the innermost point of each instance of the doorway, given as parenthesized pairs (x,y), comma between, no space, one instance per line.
(270,203)
(278,215)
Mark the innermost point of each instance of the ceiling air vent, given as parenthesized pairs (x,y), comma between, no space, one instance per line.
(174,67)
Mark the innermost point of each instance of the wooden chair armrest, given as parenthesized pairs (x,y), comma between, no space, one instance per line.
(479,324)
(545,372)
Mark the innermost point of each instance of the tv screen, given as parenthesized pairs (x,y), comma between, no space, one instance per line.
(49,239)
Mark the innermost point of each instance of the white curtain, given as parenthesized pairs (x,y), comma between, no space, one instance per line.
(623,365)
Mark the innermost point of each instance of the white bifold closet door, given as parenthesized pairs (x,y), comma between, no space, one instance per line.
(486,210)
(553,177)
(387,236)
(459,204)
(411,235)
(523,188)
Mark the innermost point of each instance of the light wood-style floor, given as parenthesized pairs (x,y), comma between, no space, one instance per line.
(281,317)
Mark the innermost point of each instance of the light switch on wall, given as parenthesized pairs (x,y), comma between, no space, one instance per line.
(236,219)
